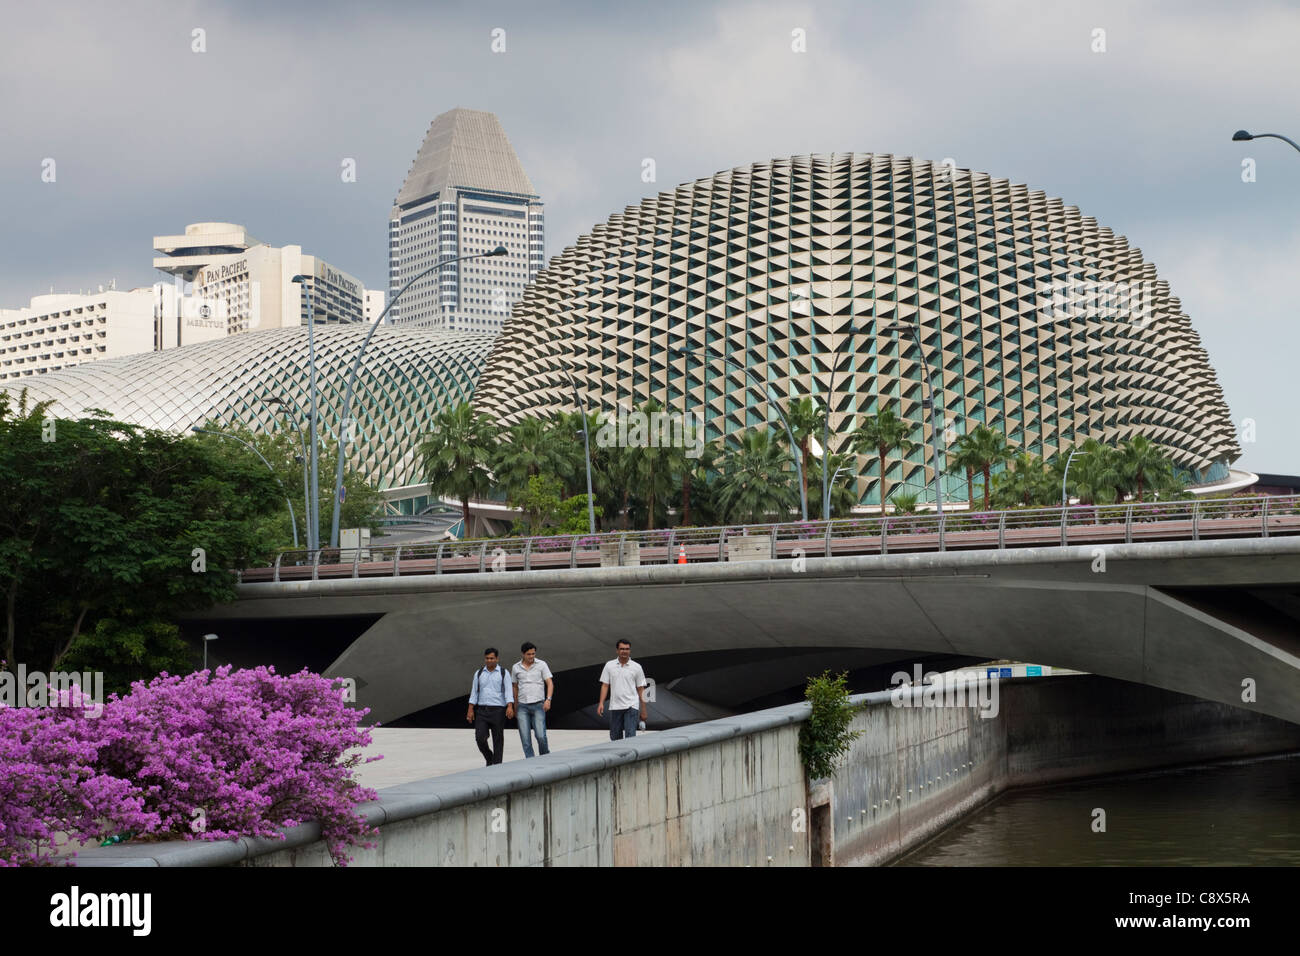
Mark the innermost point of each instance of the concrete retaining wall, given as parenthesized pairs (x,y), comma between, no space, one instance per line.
(732,792)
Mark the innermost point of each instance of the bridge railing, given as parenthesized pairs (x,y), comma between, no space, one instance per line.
(1125,522)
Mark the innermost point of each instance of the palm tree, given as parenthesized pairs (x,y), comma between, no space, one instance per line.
(1025,483)
(806,419)
(884,433)
(533,446)
(1143,462)
(755,481)
(1096,475)
(695,472)
(964,456)
(983,450)
(655,467)
(457,455)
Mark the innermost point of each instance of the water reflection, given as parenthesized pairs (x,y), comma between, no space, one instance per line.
(1228,814)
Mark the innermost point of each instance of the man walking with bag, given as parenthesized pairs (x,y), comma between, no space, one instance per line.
(529,675)
(490,705)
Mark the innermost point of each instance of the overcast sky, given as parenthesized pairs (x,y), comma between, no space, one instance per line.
(148,135)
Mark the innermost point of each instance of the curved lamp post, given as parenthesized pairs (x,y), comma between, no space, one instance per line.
(586,447)
(934,412)
(794,448)
(280,403)
(293,520)
(1241,135)
(313,527)
(344,437)
(1066,474)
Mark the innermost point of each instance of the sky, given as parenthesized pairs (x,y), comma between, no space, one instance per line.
(148,133)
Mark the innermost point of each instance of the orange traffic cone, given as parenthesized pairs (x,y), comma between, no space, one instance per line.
(681,555)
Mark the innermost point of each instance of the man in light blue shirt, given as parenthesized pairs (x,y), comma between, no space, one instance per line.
(491,704)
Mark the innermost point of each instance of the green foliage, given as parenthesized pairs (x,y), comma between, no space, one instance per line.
(571,516)
(881,435)
(539,501)
(362,503)
(757,483)
(981,451)
(905,504)
(825,738)
(458,454)
(99,520)
(1026,483)
(128,650)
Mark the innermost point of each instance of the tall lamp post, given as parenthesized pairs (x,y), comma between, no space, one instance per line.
(313,528)
(826,429)
(586,448)
(934,411)
(352,380)
(1241,135)
(280,403)
(1066,474)
(293,520)
(794,449)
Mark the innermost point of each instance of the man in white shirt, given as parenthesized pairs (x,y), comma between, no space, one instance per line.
(531,701)
(623,681)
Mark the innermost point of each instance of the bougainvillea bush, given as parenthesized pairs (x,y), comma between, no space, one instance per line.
(206,756)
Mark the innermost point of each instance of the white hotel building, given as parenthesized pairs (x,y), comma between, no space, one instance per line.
(466,193)
(62,330)
(238,284)
(251,284)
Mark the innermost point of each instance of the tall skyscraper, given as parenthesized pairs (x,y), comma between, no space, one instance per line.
(465,193)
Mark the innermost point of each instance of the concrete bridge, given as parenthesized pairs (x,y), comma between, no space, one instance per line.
(1217,619)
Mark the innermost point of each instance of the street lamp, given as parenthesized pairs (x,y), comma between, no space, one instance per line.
(586,447)
(826,426)
(1241,135)
(313,528)
(794,449)
(934,413)
(1066,474)
(293,520)
(206,639)
(280,403)
(352,380)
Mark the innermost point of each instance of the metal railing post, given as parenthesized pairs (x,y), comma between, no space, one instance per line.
(621,538)
(573,553)
(397,562)
(1064,537)
(1002,531)
(315,565)
(672,533)
(942,519)
(1263,519)
(1196,524)
(437,567)
(772,550)
(722,545)
(276,576)
(482,556)
(884,533)
(528,553)
(827,549)
(356,558)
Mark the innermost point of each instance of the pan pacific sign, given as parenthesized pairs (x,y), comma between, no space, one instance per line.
(218,273)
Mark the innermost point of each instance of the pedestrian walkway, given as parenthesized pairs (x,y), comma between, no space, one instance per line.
(417,753)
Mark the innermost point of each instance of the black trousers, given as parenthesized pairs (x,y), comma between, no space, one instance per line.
(494,719)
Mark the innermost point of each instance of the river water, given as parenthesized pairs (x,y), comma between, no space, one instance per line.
(1227,814)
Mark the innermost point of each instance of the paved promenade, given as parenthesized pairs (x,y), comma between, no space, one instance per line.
(419,753)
